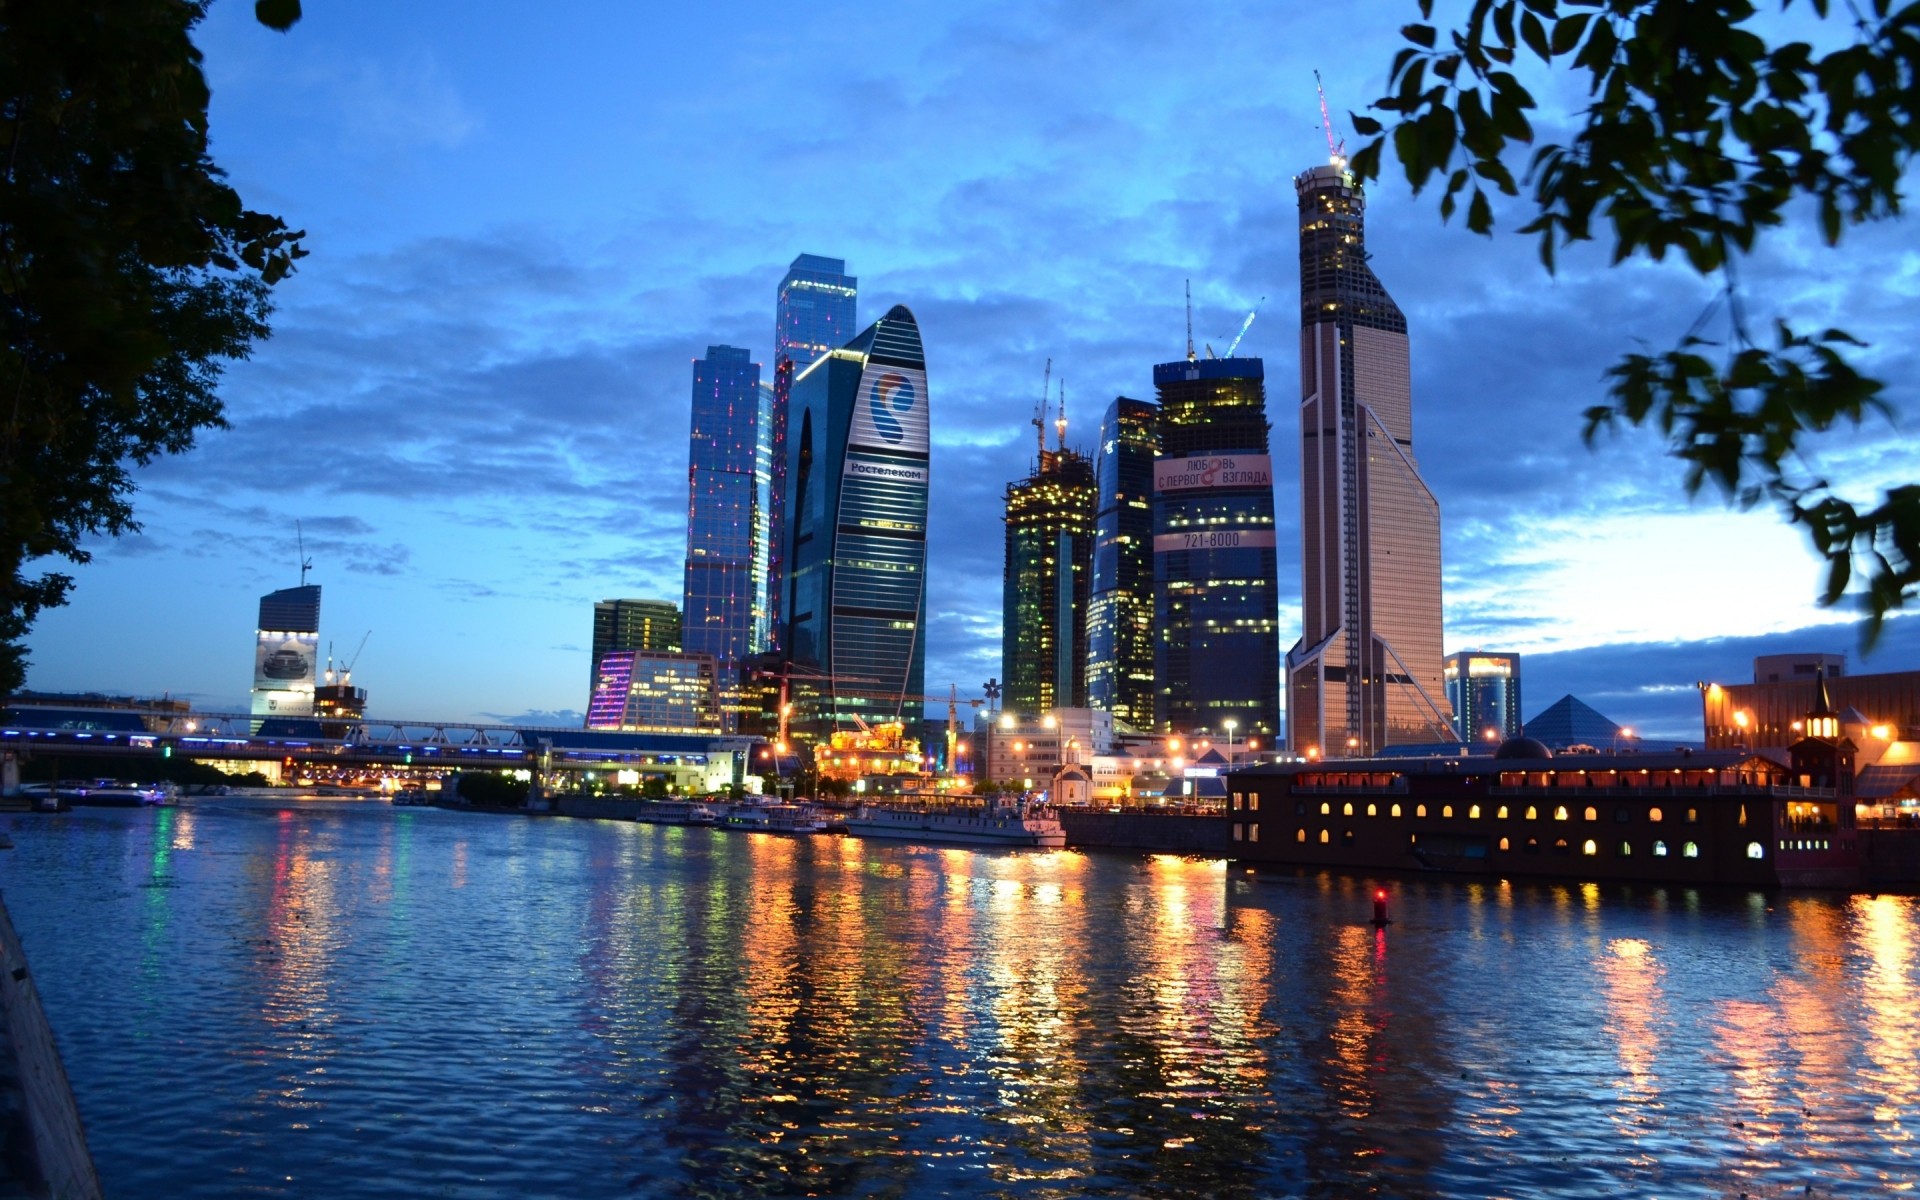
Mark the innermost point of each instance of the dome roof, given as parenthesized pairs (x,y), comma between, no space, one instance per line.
(1523,747)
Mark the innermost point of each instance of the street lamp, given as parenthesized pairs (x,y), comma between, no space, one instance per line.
(1353,747)
(1622,732)
(1231,725)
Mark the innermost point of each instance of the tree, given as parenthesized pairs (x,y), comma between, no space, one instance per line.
(130,272)
(1699,136)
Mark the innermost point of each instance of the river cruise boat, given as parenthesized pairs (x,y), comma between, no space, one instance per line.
(961,821)
(1696,817)
(765,817)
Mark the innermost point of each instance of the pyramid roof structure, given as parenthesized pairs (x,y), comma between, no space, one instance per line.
(1569,721)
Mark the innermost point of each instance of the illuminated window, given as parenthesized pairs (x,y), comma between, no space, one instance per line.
(1502,814)
(1626,850)
(1589,847)
(1560,846)
(1659,849)
(1693,816)
(1395,810)
(1300,835)
(1655,815)
(1533,845)
(1503,844)
(1236,802)
(1253,803)
(1593,814)
(1755,850)
(1323,837)
(1373,810)
(1326,809)
(1446,810)
(1690,850)
(1419,810)
(1346,837)
(1253,833)
(1560,813)
(1237,830)
(1533,814)
(1743,821)
(1473,812)
(1346,810)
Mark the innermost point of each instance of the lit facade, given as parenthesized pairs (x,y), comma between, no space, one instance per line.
(816,312)
(856,529)
(717,611)
(286,652)
(1484,692)
(1882,707)
(631,625)
(1120,604)
(655,691)
(1047,583)
(1366,671)
(1215,602)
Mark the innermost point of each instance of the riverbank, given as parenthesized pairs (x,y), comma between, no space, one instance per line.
(45,1146)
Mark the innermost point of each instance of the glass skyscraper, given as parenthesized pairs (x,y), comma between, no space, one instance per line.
(1215,605)
(1120,606)
(816,312)
(717,611)
(1484,690)
(630,625)
(1047,584)
(856,549)
(1366,671)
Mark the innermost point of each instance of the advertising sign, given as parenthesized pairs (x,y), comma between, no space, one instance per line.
(1214,539)
(1212,471)
(284,662)
(890,410)
(896,472)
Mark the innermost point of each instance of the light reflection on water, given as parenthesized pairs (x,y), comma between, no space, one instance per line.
(341,998)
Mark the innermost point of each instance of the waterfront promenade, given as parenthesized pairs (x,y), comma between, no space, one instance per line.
(349,999)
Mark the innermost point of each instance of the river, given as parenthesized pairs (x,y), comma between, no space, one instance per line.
(301,997)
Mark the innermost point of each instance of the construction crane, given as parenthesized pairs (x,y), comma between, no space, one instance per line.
(1191,356)
(787,673)
(346,673)
(1244,326)
(1040,414)
(1060,422)
(1336,151)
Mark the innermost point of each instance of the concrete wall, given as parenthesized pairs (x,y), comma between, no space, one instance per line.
(1148,832)
(61,1160)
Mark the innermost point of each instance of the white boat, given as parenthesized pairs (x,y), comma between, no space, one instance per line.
(773,818)
(988,823)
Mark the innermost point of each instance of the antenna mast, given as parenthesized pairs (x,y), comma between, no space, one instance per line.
(1336,152)
(1190,354)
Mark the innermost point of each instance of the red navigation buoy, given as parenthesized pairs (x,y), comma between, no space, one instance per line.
(1380,918)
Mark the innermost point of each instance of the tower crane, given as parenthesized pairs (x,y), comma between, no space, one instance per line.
(1336,151)
(1060,422)
(1244,326)
(346,672)
(1040,414)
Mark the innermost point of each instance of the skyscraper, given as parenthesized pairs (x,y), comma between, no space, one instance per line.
(1047,583)
(1120,606)
(856,545)
(286,652)
(1217,654)
(1366,671)
(816,312)
(1483,690)
(718,603)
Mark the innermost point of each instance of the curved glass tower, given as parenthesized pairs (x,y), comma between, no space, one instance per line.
(856,517)
(1120,611)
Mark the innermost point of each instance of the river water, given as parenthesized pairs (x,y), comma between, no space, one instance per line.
(339,998)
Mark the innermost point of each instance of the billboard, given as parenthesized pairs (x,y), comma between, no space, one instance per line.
(890,409)
(1203,471)
(285,667)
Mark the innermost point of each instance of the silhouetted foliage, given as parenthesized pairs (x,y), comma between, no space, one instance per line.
(1700,134)
(129,273)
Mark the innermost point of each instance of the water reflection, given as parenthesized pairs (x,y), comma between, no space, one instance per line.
(370,1002)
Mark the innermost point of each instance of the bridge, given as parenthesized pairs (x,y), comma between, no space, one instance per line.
(334,744)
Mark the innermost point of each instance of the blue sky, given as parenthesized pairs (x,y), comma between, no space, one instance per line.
(526,223)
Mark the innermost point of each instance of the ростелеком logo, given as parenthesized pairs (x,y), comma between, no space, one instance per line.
(890,398)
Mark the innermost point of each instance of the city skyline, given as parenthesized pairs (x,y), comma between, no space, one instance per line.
(476,395)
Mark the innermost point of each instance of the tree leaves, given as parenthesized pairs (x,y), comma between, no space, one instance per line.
(1699,135)
(129,273)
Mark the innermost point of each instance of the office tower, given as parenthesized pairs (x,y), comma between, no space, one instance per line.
(718,607)
(1366,671)
(1120,606)
(856,543)
(763,501)
(655,691)
(1484,692)
(815,313)
(1047,583)
(631,625)
(1215,603)
(286,652)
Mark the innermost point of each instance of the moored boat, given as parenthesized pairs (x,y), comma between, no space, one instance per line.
(992,822)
